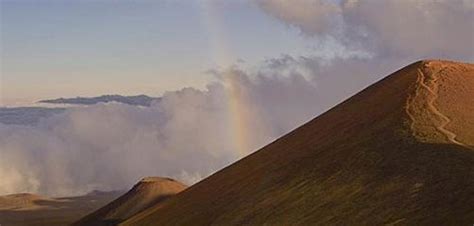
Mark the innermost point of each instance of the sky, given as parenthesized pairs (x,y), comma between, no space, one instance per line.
(61,48)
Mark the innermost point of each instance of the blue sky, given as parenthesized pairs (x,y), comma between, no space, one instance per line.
(70,48)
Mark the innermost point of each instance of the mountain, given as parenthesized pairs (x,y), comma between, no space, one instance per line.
(148,192)
(140,100)
(30,209)
(32,115)
(399,152)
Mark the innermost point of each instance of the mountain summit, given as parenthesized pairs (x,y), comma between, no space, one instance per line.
(400,151)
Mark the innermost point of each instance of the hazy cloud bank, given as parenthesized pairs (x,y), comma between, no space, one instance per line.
(187,135)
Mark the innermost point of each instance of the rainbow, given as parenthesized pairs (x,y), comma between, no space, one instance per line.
(239,113)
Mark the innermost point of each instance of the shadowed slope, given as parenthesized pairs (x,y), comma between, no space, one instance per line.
(148,192)
(400,151)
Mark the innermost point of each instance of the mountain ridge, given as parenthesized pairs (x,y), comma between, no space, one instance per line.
(139,100)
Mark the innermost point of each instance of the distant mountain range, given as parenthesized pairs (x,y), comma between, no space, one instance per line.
(140,100)
(31,115)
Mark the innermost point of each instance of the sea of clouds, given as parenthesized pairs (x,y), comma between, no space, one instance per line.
(186,135)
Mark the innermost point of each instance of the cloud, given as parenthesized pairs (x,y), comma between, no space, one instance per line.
(187,135)
(357,42)
(412,27)
(403,28)
(313,17)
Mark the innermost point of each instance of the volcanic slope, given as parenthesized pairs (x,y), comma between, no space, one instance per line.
(148,192)
(399,152)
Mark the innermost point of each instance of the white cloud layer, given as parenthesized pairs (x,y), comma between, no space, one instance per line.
(187,135)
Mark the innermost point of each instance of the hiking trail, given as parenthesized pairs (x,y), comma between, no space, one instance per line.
(433,95)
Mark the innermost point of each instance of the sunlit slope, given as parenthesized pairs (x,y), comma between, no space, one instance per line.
(399,152)
(444,98)
(146,193)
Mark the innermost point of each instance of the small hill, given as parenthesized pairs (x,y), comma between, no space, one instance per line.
(146,193)
(21,201)
(399,152)
(34,210)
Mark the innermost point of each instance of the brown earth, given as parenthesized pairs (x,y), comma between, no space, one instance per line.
(33,210)
(399,152)
(148,192)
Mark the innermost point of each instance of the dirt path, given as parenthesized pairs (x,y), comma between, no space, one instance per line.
(433,91)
